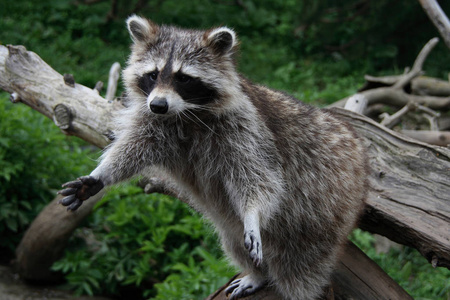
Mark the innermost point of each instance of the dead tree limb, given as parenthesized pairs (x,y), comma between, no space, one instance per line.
(396,96)
(438,17)
(440,138)
(421,85)
(417,68)
(113,79)
(33,82)
(410,181)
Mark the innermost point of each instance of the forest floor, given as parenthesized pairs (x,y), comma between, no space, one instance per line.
(12,288)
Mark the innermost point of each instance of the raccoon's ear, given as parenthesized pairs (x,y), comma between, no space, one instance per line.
(142,30)
(222,39)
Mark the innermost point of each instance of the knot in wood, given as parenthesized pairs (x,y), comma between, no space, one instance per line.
(98,86)
(62,116)
(16,50)
(69,80)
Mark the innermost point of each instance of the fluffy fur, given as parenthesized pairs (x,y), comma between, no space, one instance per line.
(282,182)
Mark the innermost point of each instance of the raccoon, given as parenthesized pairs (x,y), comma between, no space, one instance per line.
(282,182)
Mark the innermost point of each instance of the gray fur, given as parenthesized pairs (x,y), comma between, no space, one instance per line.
(282,182)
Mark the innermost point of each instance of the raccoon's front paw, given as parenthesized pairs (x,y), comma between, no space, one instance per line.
(252,242)
(79,190)
(244,286)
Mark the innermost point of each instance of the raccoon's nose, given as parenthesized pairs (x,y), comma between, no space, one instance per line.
(159,105)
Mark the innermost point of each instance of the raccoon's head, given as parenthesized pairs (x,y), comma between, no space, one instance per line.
(174,69)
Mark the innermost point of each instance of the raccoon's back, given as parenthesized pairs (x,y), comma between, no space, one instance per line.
(323,159)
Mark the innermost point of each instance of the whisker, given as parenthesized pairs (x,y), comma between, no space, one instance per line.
(194,115)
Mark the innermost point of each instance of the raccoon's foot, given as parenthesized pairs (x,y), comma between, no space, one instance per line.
(245,286)
(79,190)
(252,242)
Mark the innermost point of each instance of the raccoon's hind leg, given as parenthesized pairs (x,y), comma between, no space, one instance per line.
(245,286)
(252,237)
(250,257)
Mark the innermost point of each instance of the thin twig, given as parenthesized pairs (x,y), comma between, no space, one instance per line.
(417,67)
(389,121)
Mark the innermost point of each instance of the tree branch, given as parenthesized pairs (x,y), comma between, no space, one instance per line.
(418,64)
(394,94)
(438,17)
(25,75)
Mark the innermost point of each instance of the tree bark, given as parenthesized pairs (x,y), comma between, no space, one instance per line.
(408,200)
(35,83)
(410,182)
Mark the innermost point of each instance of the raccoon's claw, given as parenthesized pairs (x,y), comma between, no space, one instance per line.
(67,192)
(252,242)
(73,184)
(75,205)
(71,202)
(77,191)
(244,286)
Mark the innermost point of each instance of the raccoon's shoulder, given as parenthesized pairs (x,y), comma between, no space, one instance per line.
(277,108)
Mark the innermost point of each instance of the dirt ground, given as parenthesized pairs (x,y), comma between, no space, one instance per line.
(12,288)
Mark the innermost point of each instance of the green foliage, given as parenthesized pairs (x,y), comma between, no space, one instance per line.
(408,268)
(34,159)
(138,240)
(74,39)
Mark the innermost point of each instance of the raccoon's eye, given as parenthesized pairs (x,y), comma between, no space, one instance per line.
(153,75)
(183,78)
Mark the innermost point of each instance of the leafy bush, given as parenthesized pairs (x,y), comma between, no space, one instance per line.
(408,268)
(34,159)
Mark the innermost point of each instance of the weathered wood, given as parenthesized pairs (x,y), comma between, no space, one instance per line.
(440,138)
(409,199)
(438,17)
(113,79)
(39,86)
(356,103)
(421,85)
(394,93)
(399,98)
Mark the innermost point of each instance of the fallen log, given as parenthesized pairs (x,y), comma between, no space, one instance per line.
(409,197)
(410,182)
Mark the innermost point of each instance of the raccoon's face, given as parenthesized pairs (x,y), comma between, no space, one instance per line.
(174,70)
